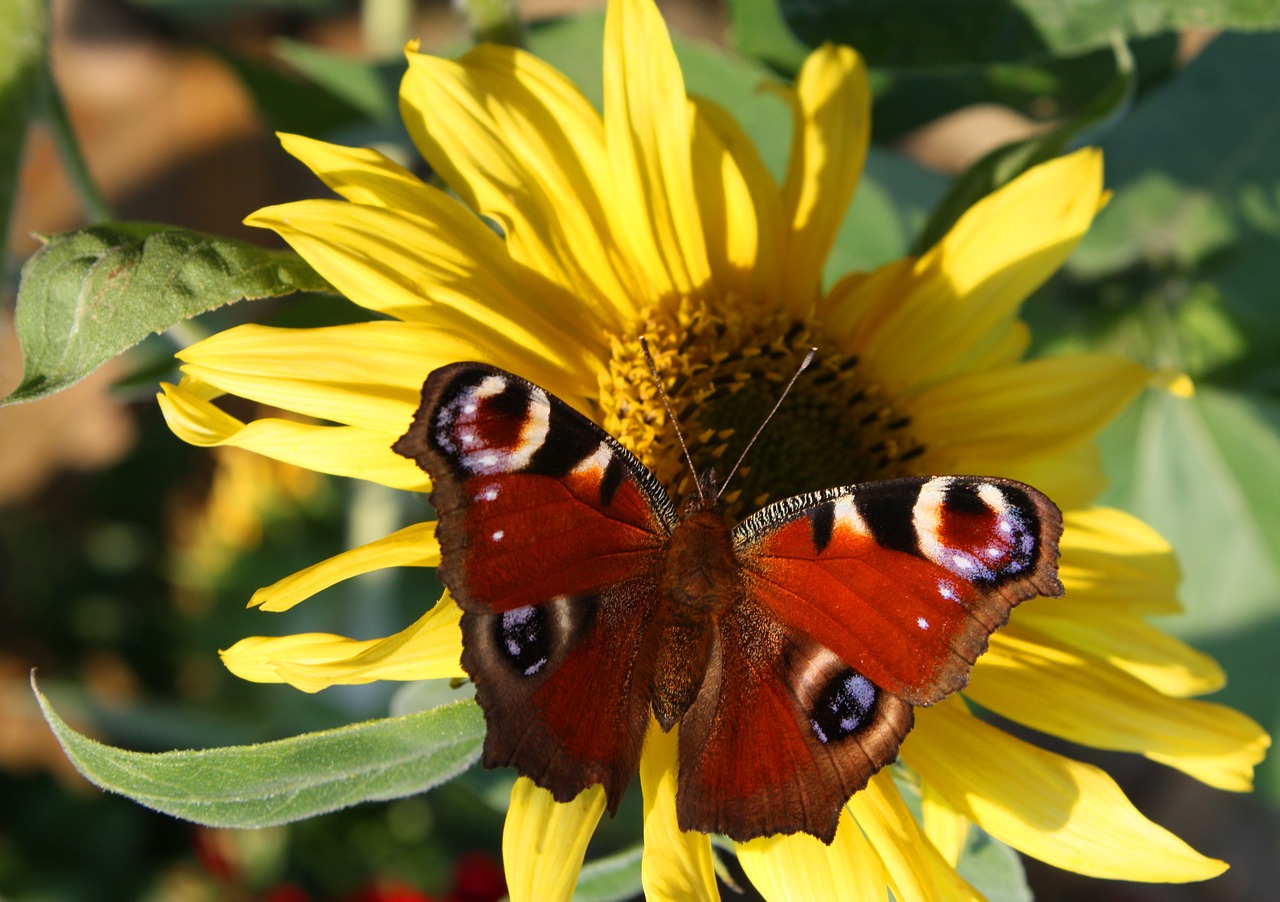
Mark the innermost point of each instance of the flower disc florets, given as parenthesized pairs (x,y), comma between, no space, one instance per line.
(723,375)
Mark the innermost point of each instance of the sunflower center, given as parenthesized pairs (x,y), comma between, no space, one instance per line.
(723,373)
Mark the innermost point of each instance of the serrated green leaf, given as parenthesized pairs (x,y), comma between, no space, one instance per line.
(23,30)
(290,779)
(933,33)
(1002,165)
(88,295)
(611,879)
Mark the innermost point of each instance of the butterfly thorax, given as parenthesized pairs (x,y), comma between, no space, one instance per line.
(700,579)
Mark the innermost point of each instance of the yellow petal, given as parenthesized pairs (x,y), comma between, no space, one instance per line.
(741,246)
(915,867)
(798,867)
(337,450)
(534,161)
(440,266)
(831,108)
(413,546)
(946,828)
(429,649)
(1065,813)
(1044,407)
(360,174)
(363,374)
(1073,478)
(1101,706)
(647,135)
(544,841)
(676,865)
(1130,643)
(1112,562)
(957,307)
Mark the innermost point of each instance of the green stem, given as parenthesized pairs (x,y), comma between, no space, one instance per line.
(64,138)
(494,22)
(385,26)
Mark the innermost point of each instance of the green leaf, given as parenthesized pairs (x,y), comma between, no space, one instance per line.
(1194,167)
(372,89)
(88,295)
(290,779)
(760,32)
(1202,471)
(1050,91)
(292,99)
(934,33)
(993,869)
(1002,165)
(23,37)
(611,879)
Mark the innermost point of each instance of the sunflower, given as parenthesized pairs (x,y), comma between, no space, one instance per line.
(659,218)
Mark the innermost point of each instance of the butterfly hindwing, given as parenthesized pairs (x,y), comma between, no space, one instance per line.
(782,733)
(565,689)
(550,533)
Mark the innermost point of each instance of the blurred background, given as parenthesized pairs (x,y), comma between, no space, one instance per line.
(126,556)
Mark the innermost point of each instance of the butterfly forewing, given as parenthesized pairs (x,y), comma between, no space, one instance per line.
(534,500)
(550,533)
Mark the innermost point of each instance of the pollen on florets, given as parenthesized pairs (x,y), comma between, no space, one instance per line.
(722,374)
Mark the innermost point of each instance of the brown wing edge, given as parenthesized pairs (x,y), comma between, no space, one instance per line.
(995,606)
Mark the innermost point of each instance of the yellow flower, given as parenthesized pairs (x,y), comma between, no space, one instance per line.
(660,218)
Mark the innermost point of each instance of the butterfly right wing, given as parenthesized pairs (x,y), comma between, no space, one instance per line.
(858,603)
(550,535)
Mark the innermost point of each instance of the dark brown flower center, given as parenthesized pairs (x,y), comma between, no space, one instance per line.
(723,375)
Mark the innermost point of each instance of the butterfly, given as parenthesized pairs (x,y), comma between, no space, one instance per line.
(790,648)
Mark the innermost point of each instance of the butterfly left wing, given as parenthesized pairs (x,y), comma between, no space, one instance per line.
(549,533)
(858,603)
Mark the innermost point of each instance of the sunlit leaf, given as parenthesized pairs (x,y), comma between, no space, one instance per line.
(1202,471)
(88,295)
(289,779)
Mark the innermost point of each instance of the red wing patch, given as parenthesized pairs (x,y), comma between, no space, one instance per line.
(904,580)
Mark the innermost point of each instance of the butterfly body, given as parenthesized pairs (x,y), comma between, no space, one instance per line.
(789,649)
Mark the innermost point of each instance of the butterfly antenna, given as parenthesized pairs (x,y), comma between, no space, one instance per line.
(662,393)
(804,365)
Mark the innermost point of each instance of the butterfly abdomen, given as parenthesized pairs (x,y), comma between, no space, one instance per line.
(701,578)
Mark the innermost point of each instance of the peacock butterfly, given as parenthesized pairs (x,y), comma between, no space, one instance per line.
(790,648)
